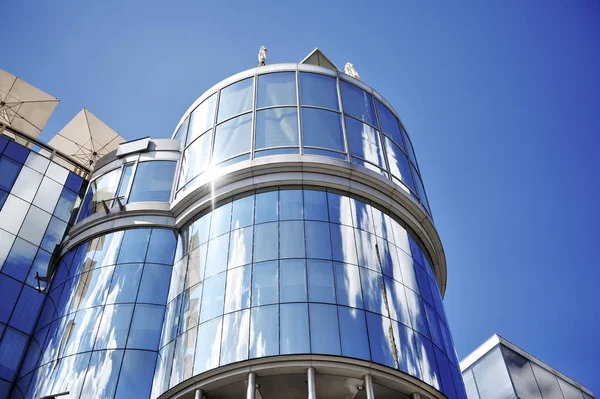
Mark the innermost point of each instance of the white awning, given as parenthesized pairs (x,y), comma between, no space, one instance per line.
(24,107)
(86,139)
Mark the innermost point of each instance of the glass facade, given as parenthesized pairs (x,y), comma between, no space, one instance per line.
(297,113)
(301,271)
(37,200)
(98,333)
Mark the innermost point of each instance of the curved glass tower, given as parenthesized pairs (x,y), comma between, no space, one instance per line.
(279,246)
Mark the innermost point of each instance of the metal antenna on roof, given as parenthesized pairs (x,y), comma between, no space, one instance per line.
(262,56)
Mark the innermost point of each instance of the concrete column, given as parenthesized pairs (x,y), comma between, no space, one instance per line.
(369,386)
(251,386)
(311,383)
(416,395)
(198,394)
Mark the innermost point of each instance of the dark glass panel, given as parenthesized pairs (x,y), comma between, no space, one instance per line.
(353,329)
(318,244)
(162,246)
(290,205)
(136,375)
(154,285)
(324,329)
(318,91)
(322,129)
(320,281)
(134,245)
(381,340)
(146,327)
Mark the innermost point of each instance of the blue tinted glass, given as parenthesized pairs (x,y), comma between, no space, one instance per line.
(125,283)
(221,220)
(134,245)
(26,312)
(153,181)
(357,103)
(243,212)
(236,98)
(420,189)
(292,239)
(3,196)
(3,143)
(322,129)
(290,204)
(396,299)
(320,281)
(12,351)
(389,123)
(429,369)
(16,152)
(146,327)
(417,313)
(199,231)
(155,284)
(196,266)
(381,340)
(162,247)
(265,241)
(324,329)
(265,281)
(216,261)
(318,244)
(190,308)
(73,182)
(209,336)
(353,330)
(315,205)
(240,247)
(373,291)
(446,374)
(366,245)
(10,170)
(202,118)
(276,127)
(102,381)
(293,280)
(232,138)
(340,210)
(347,285)
(136,375)
(275,151)
(293,331)
(387,255)
(276,89)
(195,159)
(54,234)
(19,260)
(434,328)
(236,329)
(212,301)
(364,142)
(318,90)
(267,206)
(407,268)
(399,164)
(424,287)
(82,330)
(264,331)
(10,290)
(342,243)
(172,321)
(114,327)
(408,360)
(237,294)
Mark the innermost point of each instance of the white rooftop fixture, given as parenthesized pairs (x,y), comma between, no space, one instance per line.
(316,57)
(350,71)
(262,56)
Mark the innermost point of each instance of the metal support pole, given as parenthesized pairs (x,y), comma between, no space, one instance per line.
(311,383)
(251,386)
(416,395)
(199,394)
(369,386)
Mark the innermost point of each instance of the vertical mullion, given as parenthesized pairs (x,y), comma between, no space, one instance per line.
(342,115)
(299,111)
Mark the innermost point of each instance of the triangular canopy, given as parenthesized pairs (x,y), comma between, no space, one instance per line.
(316,57)
(86,139)
(24,107)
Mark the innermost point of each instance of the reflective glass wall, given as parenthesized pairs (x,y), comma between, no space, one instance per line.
(98,333)
(37,200)
(504,374)
(292,112)
(301,271)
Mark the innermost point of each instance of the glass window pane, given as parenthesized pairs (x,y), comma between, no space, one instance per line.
(381,339)
(424,286)
(202,118)
(13,213)
(236,98)
(20,258)
(155,284)
(320,281)
(196,266)
(182,132)
(447,380)
(276,127)
(125,283)
(27,184)
(293,280)
(12,351)
(547,383)
(34,225)
(418,319)
(290,204)
(389,123)
(153,181)
(101,189)
(36,162)
(199,231)
(64,206)
(364,142)
(190,307)
(396,299)
(324,329)
(521,374)
(408,360)
(236,328)
(265,282)
(407,268)
(470,386)
(569,391)
(184,357)
(221,220)
(318,244)
(232,138)
(145,327)
(353,330)
(240,247)
(162,246)
(54,234)
(172,321)
(73,182)
(208,346)
(82,328)
(429,369)
(10,170)
(70,375)
(264,331)
(136,375)
(94,286)
(366,245)
(103,373)
(318,90)
(237,293)
(114,327)
(293,331)
(276,89)
(340,210)
(315,205)
(347,285)
(27,310)
(373,291)
(342,244)
(267,209)
(491,376)
(357,103)
(133,248)
(216,261)
(195,159)
(322,129)
(434,328)
(399,164)
(243,212)
(265,241)
(213,297)
(57,173)
(124,184)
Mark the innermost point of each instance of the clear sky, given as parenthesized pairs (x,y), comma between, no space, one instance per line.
(501,99)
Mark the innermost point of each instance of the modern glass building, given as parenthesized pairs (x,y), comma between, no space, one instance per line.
(280,245)
(499,369)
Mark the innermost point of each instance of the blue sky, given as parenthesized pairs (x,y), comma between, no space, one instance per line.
(501,99)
